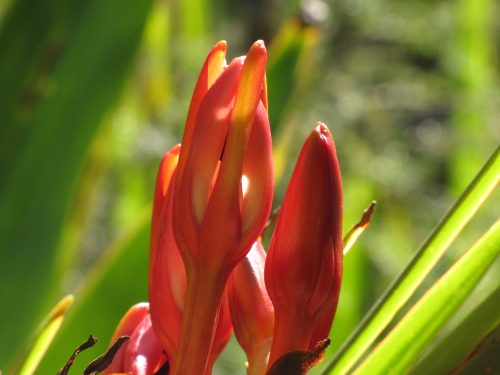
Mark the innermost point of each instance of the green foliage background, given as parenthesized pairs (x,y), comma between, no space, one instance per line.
(93,93)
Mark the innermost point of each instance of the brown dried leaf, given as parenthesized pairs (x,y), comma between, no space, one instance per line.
(164,369)
(299,362)
(102,362)
(91,341)
(356,231)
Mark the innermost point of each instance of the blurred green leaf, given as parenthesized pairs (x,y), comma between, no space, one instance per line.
(457,344)
(290,60)
(483,359)
(192,25)
(473,56)
(195,17)
(401,290)
(290,63)
(46,334)
(64,65)
(116,282)
(405,342)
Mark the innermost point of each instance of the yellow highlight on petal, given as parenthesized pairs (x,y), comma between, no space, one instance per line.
(217,62)
(251,85)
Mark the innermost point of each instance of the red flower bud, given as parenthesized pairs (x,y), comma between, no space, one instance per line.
(167,275)
(142,353)
(252,311)
(227,140)
(304,263)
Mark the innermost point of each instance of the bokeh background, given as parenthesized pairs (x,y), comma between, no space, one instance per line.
(92,93)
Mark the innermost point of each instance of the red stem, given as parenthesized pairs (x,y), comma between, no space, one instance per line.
(201,309)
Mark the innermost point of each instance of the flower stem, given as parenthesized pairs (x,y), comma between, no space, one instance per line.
(203,300)
(257,361)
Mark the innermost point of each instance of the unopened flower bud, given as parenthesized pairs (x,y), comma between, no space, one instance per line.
(251,309)
(304,263)
(142,354)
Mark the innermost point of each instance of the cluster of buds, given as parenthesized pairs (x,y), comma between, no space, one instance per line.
(208,273)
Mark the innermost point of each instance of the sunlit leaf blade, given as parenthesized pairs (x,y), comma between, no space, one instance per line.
(428,255)
(405,342)
(69,60)
(451,350)
(46,334)
(118,281)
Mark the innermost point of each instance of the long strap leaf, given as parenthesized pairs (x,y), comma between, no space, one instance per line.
(404,344)
(451,350)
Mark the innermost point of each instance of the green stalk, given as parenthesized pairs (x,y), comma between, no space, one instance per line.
(408,281)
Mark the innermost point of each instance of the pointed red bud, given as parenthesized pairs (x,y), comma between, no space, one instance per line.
(230,138)
(252,312)
(167,167)
(167,277)
(212,68)
(304,263)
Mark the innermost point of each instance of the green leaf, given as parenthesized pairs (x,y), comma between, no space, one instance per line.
(484,358)
(405,342)
(473,78)
(116,282)
(46,334)
(457,344)
(65,63)
(428,255)
(288,71)
(195,17)
(290,59)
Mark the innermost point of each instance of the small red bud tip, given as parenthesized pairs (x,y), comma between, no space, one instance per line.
(142,353)
(259,43)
